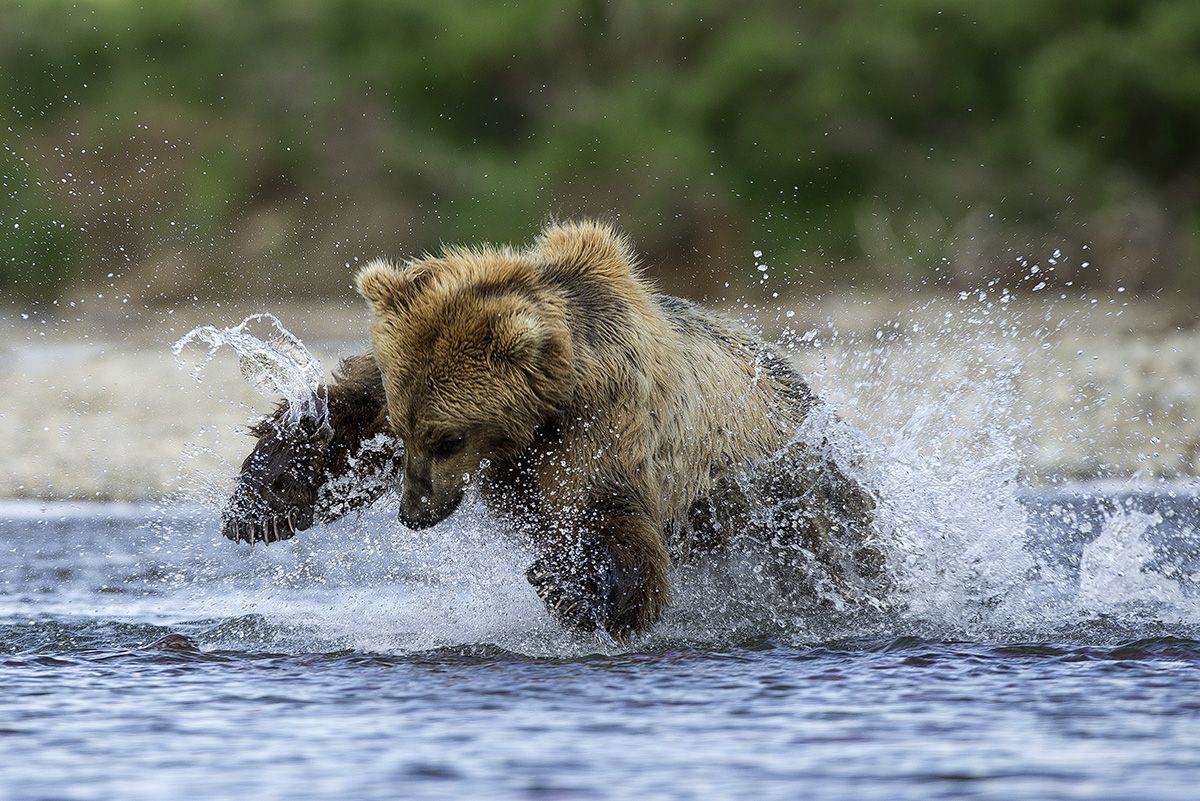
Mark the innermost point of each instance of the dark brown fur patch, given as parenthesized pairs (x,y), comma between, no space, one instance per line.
(598,315)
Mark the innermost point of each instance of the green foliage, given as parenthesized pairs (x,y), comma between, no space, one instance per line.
(858,140)
(35,247)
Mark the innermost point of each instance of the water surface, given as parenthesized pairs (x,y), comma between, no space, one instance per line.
(365,661)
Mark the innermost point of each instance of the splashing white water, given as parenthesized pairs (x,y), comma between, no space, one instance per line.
(1117,569)
(278,365)
(941,442)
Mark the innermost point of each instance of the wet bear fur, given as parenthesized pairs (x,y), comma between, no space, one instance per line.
(620,429)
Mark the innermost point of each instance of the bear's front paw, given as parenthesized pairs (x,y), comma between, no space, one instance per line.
(576,598)
(265,525)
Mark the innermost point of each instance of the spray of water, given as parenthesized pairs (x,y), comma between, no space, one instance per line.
(276,365)
(935,424)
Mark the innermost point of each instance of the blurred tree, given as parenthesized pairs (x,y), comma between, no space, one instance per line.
(177,144)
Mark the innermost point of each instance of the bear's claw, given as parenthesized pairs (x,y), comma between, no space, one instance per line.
(274,528)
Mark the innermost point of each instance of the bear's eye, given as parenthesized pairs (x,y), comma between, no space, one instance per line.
(446,447)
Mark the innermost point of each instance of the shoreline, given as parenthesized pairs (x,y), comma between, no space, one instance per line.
(1085,390)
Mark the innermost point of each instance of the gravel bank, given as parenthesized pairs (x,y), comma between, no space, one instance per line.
(1103,389)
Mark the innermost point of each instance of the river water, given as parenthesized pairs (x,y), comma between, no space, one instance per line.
(362,661)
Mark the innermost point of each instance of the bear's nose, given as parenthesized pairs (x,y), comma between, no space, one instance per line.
(416,521)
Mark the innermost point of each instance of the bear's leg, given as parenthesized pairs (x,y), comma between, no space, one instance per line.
(299,474)
(610,574)
(812,507)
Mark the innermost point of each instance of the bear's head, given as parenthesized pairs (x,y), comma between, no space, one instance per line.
(476,357)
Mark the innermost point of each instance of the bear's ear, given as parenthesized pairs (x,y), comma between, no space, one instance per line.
(540,348)
(383,285)
(588,245)
(517,338)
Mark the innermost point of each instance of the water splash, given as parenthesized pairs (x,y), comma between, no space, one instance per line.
(1121,571)
(278,365)
(971,555)
(937,426)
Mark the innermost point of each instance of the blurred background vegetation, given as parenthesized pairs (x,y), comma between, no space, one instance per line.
(173,150)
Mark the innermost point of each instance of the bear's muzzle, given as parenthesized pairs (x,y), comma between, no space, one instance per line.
(422,514)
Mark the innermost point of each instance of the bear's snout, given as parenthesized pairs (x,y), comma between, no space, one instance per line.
(424,514)
(415,523)
(422,504)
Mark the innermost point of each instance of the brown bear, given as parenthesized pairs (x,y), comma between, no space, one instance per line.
(614,425)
